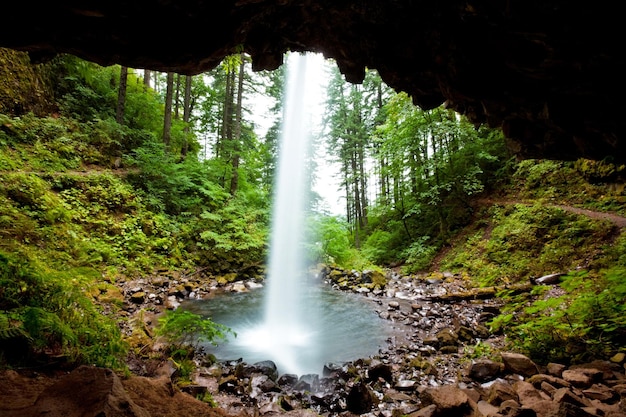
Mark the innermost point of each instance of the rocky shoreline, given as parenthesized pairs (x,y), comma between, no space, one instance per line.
(433,364)
(429,367)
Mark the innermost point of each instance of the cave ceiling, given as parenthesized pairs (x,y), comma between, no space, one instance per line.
(549,73)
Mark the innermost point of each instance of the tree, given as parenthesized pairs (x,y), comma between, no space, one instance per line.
(234,179)
(121,95)
(186,115)
(433,161)
(146,78)
(167,118)
(351,112)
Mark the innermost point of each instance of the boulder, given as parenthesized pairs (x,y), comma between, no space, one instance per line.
(360,399)
(519,364)
(484,370)
(449,400)
(86,391)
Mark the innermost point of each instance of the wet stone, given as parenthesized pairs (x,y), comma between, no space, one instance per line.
(287,380)
(484,370)
(519,364)
(555,369)
(405,385)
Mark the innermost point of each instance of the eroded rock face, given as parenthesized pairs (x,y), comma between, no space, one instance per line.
(549,72)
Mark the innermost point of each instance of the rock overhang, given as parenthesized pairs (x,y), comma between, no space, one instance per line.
(548,72)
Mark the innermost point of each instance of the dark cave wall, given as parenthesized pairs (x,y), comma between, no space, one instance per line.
(550,73)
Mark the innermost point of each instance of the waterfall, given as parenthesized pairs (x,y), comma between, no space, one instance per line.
(286,332)
(293,321)
(286,279)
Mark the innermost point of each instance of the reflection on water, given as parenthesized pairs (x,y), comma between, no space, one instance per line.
(338,327)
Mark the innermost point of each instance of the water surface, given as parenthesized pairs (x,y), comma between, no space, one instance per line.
(337,327)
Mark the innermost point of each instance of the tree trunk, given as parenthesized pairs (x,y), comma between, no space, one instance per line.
(186,116)
(146,79)
(346,181)
(167,119)
(234,179)
(177,98)
(225,150)
(121,95)
(358,220)
(363,181)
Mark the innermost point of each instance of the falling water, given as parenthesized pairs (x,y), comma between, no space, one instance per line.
(292,321)
(285,333)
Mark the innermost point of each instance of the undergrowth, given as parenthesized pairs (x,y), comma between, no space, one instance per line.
(512,242)
(46,316)
(587,322)
(528,242)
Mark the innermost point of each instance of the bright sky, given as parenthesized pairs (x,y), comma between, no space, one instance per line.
(327,185)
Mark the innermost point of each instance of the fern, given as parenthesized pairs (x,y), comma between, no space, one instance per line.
(10,328)
(184,328)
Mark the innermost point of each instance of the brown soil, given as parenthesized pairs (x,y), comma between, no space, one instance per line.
(154,397)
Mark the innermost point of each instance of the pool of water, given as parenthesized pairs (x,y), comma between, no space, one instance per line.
(336,327)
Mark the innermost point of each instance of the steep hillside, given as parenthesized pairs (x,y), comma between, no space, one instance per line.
(87,204)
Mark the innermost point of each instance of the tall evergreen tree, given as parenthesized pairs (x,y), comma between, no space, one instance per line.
(121,95)
(187,108)
(146,78)
(167,118)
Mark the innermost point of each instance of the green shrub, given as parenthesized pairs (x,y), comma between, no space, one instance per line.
(50,311)
(329,240)
(419,255)
(376,246)
(530,241)
(585,323)
(32,194)
(182,328)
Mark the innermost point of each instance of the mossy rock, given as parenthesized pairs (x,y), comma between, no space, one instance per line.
(227,278)
(138,297)
(111,295)
(335,275)
(22,87)
(421,364)
(376,278)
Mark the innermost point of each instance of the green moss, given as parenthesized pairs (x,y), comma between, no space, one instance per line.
(23,87)
(529,241)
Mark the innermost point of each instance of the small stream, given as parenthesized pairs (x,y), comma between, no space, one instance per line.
(339,327)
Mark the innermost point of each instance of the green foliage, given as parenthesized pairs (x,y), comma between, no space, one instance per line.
(599,171)
(329,237)
(587,322)
(50,311)
(235,234)
(480,350)
(207,397)
(32,195)
(419,255)
(530,241)
(174,187)
(85,90)
(182,328)
(377,245)
(594,185)
(431,163)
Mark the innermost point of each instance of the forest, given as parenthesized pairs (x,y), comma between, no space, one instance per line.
(113,173)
